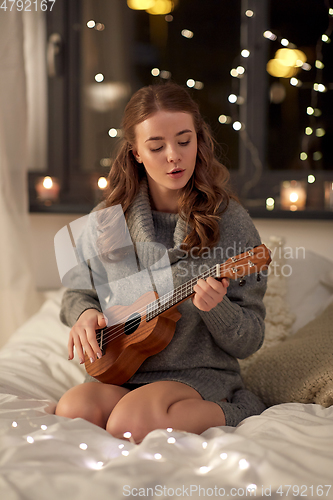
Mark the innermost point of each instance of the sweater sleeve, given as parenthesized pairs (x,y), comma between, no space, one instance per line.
(80,281)
(92,283)
(237,323)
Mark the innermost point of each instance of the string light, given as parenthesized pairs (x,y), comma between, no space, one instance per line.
(295,82)
(232,98)
(245,53)
(187,33)
(204,469)
(99,77)
(252,488)
(198,85)
(237,72)
(243,464)
(319,87)
(268,34)
(306,66)
(99,465)
(270,204)
(237,125)
(311,179)
(165,74)
(113,132)
(100,27)
(224,119)
(105,162)
(102,183)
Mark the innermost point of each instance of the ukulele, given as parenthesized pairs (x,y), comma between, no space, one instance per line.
(147,326)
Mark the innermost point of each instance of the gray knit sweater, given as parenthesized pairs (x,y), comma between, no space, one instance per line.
(205,345)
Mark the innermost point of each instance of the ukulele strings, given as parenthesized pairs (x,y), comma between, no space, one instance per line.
(113,333)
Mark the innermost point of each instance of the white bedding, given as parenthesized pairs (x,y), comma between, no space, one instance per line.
(286,452)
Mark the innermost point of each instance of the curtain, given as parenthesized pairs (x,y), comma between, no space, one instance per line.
(19,298)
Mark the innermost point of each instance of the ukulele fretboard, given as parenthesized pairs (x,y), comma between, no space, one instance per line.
(178,294)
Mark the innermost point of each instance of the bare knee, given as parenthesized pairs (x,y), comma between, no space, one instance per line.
(75,404)
(124,424)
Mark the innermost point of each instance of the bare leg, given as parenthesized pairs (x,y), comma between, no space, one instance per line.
(160,405)
(92,401)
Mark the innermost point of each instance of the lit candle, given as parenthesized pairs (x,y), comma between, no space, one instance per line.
(102,183)
(47,189)
(293,195)
(329,194)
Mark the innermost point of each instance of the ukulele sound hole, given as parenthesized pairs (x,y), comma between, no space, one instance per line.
(132,323)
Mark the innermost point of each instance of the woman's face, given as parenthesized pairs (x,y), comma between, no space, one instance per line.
(166,144)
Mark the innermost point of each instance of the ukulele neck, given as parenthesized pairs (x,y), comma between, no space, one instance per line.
(179,294)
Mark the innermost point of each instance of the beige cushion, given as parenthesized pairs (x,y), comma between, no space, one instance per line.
(297,369)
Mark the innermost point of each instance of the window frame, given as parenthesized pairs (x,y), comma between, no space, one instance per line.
(77,193)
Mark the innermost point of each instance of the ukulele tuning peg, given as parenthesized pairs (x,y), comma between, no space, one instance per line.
(242,282)
(258,277)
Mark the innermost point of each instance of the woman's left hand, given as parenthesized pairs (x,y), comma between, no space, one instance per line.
(208,293)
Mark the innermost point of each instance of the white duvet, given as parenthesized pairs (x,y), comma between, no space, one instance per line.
(286,452)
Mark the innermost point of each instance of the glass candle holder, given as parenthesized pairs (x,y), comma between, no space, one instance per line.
(293,195)
(47,189)
(328,186)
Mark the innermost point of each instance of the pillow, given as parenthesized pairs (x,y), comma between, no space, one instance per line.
(299,368)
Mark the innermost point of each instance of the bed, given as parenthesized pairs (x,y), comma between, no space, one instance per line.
(286,452)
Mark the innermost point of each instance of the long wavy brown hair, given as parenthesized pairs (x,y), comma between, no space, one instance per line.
(207,193)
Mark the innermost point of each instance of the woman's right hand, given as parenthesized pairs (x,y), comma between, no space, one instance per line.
(83,335)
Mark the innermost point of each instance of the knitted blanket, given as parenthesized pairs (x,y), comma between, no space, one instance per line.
(291,368)
(279,319)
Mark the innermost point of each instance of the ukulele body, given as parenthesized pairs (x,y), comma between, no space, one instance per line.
(131,339)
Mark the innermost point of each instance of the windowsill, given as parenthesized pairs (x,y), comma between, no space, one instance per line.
(262,213)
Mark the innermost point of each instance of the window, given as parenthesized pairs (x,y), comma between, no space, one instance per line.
(101,52)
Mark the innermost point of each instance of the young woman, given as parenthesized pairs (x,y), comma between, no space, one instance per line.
(175,196)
